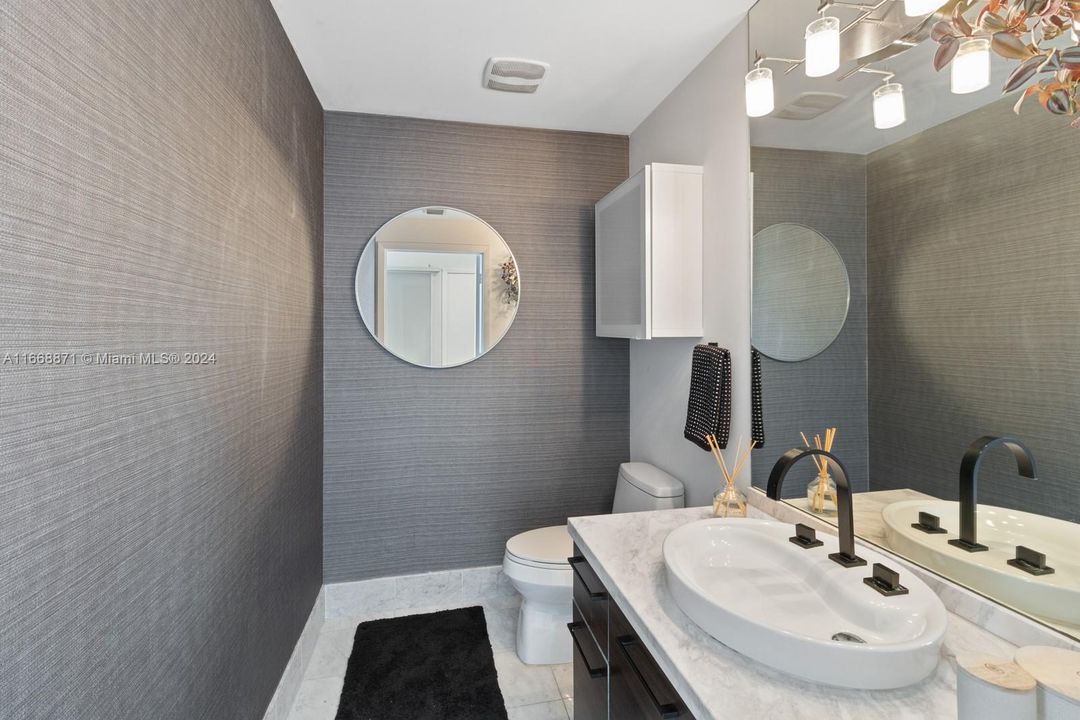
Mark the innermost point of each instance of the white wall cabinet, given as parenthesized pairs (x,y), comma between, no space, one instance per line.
(648,255)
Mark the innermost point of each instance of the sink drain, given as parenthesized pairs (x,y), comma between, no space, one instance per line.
(848,637)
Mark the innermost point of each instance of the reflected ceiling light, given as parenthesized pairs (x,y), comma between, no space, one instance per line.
(915,8)
(822,46)
(889,108)
(971,66)
(759,92)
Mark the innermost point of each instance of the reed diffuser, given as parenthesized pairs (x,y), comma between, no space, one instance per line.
(729,500)
(821,492)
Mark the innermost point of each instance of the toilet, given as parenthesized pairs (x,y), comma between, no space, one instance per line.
(537,564)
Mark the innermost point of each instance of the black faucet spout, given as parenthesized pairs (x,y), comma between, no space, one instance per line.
(969,483)
(846,556)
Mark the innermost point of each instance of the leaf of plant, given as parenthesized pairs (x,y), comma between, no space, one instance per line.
(1035,7)
(945,53)
(960,22)
(991,22)
(941,30)
(1024,72)
(1009,46)
(1070,56)
(1060,102)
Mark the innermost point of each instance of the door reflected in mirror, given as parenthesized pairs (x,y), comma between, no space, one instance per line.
(437,287)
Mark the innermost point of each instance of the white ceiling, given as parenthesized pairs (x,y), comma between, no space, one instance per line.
(777,27)
(612,61)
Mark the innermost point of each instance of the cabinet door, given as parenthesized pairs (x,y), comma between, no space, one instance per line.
(590,673)
(638,687)
(623,260)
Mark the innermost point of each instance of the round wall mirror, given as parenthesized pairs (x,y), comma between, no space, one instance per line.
(801,292)
(437,287)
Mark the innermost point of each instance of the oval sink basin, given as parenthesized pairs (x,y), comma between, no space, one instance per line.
(796,610)
(1055,597)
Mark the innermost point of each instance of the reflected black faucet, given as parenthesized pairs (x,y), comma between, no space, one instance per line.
(969,478)
(846,556)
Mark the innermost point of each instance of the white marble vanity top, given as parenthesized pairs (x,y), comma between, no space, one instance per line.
(626,553)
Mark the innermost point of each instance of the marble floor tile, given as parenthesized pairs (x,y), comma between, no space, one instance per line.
(564,678)
(502,627)
(332,649)
(317,699)
(539,711)
(523,684)
(569,703)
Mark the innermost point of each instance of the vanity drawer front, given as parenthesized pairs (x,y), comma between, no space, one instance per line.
(590,673)
(638,686)
(591,598)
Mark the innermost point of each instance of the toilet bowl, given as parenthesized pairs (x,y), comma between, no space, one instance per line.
(537,564)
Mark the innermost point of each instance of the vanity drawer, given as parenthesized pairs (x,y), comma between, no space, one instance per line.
(591,598)
(638,687)
(590,673)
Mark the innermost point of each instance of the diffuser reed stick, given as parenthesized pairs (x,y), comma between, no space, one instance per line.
(824,490)
(729,502)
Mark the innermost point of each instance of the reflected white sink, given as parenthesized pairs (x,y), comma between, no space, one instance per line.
(1054,597)
(751,589)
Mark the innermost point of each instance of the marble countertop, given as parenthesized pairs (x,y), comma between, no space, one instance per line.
(716,682)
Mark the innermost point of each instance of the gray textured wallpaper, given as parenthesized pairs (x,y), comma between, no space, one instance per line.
(160,192)
(975,293)
(827,192)
(435,469)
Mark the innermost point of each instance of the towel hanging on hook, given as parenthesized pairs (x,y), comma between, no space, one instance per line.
(708,409)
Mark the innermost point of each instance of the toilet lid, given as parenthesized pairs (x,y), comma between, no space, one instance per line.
(550,545)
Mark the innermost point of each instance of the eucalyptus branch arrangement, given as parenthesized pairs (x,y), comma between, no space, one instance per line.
(1023,30)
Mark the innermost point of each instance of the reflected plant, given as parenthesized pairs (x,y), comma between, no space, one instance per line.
(510,279)
(1023,30)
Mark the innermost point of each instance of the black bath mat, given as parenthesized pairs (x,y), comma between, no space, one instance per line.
(436,666)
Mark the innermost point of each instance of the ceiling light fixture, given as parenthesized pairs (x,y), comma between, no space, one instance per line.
(971,66)
(889,110)
(759,92)
(822,47)
(915,8)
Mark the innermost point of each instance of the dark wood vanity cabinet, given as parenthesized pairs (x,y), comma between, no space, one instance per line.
(615,677)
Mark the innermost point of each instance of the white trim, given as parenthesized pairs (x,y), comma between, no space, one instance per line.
(281,704)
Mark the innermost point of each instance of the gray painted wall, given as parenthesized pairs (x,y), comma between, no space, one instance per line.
(975,294)
(160,189)
(698,124)
(827,192)
(435,469)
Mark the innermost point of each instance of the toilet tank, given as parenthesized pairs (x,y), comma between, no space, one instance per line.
(642,486)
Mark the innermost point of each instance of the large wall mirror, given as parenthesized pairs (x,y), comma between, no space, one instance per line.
(437,287)
(955,217)
(800,292)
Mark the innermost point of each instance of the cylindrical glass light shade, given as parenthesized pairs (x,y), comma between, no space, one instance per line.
(759,92)
(889,106)
(915,8)
(971,66)
(822,46)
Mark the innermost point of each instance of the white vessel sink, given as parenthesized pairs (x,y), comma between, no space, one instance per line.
(798,611)
(1055,597)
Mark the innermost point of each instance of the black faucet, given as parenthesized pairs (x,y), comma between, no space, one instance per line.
(969,477)
(846,556)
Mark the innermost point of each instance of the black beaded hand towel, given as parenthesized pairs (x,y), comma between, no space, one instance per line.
(757,421)
(708,411)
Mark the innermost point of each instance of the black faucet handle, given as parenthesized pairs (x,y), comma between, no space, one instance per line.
(805,537)
(886,581)
(1030,561)
(929,524)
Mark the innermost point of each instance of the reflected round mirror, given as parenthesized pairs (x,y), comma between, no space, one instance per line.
(801,292)
(437,287)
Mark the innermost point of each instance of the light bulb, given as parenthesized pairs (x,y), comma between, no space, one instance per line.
(759,92)
(822,46)
(889,106)
(971,66)
(915,8)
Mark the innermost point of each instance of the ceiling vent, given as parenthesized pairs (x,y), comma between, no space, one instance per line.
(809,105)
(514,74)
